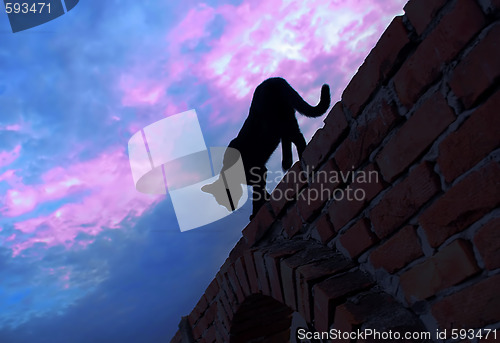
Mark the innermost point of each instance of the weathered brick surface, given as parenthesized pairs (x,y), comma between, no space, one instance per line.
(319,192)
(487,241)
(325,139)
(473,307)
(291,184)
(451,265)
(345,209)
(401,249)
(292,222)
(376,67)
(463,204)
(251,271)
(478,70)
(473,141)
(456,28)
(239,268)
(416,135)
(324,228)
(262,272)
(358,238)
(421,12)
(404,199)
(363,139)
(330,293)
(258,226)
(212,290)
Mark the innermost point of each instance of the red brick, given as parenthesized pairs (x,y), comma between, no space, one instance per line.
(478,70)
(285,192)
(466,202)
(404,200)
(325,139)
(241,275)
(200,327)
(198,310)
(257,228)
(473,307)
(261,272)
(209,335)
(453,264)
(290,264)
(322,184)
(452,33)
(331,292)
(324,228)
(401,249)
(309,274)
(251,272)
(177,338)
(473,141)
(487,241)
(376,67)
(292,222)
(421,12)
(358,238)
(363,139)
(343,210)
(225,311)
(229,300)
(416,136)
(212,290)
(272,260)
(221,332)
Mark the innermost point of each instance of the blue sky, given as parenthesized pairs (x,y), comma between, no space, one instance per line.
(83,255)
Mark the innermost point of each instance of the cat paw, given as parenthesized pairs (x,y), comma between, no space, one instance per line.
(286,164)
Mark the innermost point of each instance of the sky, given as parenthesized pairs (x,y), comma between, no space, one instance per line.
(84,256)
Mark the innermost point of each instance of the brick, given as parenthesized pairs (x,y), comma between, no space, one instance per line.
(251,272)
(478,70)
(421,12)
(472,142)
(332,291)
(463,204)
(415,136)
(404,199)
(260,267)
(377,66)
(365,186)
(177,337)
(401,249)
(225,312)
(238,250)
(324,228)
(209,335)
(198,310)
(326,138)
(272,260)
(290,264)
(257,228)
(287,189)
(453,264)
(358,238)
(292,222)
(363,139)
(487,242)
(450,36)
(230,301)
(212,290)
(239,268)
(473,307)
(309,274)
(322,184)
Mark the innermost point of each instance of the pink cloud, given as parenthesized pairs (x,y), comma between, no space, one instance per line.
(111,199)
(7,157)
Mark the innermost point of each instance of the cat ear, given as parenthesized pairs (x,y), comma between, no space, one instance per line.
(208,188)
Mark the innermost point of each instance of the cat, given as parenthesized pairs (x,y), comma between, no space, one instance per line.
(271,119)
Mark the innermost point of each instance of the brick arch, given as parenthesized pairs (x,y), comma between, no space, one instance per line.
(422,113)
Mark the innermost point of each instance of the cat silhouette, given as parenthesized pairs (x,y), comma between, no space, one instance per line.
(271,120)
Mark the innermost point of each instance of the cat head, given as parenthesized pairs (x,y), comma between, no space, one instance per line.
(220,193)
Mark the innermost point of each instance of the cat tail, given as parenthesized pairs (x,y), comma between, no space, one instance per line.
(312,111)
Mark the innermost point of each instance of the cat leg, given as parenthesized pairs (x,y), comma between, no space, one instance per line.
(300,143)
(286,148)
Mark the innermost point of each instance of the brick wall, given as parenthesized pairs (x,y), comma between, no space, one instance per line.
(421,249)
